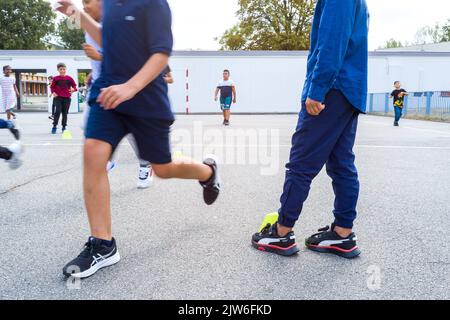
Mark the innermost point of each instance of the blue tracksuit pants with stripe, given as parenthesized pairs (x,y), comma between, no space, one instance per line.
(325,140)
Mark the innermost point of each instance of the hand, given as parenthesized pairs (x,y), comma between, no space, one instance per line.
(215,98)
(313,107)
(234,100)
(91,52)
(111,97)
(54,95)
(67,7)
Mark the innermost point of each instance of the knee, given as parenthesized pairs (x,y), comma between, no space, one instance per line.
(96,154)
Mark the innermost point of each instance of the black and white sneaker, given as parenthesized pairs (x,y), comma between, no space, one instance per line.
(15,132)
(328,241)
(94,257)
(211,188)
(268,240)
(15,162)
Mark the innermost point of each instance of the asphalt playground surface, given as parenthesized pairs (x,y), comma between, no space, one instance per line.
(175,247)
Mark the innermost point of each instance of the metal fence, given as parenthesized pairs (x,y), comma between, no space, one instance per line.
(430,104)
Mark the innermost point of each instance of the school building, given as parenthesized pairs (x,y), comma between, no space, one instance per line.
(267,82)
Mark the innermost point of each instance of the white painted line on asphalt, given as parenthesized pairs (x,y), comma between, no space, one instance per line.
(383,124)
(245,146)
(401,147)
(446,133)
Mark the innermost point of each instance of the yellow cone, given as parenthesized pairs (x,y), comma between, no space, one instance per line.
(67,135)
(271,218)
(177,154)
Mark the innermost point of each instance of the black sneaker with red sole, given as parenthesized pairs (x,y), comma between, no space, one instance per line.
(328,241)
(211,188)
(268,240)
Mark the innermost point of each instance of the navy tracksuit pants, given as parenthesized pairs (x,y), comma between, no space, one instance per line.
(327,139)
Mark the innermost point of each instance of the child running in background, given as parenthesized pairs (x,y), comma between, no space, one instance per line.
(398,95)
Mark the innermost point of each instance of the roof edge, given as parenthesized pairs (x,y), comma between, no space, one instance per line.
(200,53)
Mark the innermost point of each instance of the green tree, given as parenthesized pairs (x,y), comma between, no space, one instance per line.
(392,43)
(429,34)
(25,24)
(70,36)
(270,25)
(446,32)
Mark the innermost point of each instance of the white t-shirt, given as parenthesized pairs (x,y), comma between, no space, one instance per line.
(8,93)
(96,65)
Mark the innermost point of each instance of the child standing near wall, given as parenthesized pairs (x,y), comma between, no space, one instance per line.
(62,88)
(227,89)
(9,93)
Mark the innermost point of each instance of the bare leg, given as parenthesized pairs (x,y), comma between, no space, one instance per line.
(183,169)
(227,114)
(96,188)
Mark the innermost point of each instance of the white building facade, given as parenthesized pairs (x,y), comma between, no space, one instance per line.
(266,82)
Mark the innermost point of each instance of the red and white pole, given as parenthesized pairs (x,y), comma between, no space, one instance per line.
(187,91)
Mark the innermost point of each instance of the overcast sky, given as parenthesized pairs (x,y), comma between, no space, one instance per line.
(197,22)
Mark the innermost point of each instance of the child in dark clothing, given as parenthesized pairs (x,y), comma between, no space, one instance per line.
(398,95)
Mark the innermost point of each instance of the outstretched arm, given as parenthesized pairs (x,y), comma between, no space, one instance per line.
(86,22)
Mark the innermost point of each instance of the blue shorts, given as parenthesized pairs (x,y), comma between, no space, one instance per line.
(152,135)
(225,103)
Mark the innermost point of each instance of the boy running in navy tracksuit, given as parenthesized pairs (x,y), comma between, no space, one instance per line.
(130,96)
(334,95)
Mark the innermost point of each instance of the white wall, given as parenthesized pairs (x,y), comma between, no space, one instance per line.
(265,82)
(49,64)
(417,73)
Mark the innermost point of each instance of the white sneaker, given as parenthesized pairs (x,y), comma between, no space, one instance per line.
(110,166)
(15,162)
(145,178)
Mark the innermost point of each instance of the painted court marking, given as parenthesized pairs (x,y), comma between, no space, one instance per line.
(49,144)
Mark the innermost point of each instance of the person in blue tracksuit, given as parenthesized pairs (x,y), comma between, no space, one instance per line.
(334,95)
